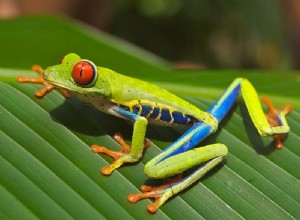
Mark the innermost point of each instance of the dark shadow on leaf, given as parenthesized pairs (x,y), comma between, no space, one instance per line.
(88,120)
(82,118)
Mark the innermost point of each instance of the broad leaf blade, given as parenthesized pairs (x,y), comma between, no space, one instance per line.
(48,170)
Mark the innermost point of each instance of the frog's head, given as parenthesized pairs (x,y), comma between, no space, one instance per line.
(74,74)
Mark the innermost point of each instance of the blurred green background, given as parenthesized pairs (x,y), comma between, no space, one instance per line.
(190,33)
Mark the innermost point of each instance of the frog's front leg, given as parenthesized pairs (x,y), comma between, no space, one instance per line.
(40,80)
(127,154)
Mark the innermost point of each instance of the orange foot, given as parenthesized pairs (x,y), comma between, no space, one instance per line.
(120,157)
(274,119)
(160,194)
(40,80)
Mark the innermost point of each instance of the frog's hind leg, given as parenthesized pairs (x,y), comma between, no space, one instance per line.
(276,117)
(181,155)
(271,124)
(162,193)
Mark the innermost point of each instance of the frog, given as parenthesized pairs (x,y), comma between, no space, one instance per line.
(143,103)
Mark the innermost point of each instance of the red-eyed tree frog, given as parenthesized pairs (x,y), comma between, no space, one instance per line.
(142,103)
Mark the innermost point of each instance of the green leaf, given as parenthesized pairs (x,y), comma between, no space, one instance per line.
(48,171)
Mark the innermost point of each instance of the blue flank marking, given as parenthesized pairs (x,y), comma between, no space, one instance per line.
(130,115)
(125,107)
(200,131)
(155,113)
(136,109)
(146,109)
(165,115)
(179,118)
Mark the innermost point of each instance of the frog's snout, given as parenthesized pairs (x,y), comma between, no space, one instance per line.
(45,75)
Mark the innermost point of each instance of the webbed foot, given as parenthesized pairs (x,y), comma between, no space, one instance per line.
(160,194)
(120,157)
(276,117)
(40,80)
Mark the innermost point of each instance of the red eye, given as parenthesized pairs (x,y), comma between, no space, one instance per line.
(84,72)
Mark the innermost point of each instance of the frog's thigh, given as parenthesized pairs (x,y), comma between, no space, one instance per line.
(184,161)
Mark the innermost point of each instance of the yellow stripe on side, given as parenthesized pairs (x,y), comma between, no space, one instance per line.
(130,104)
(255,109)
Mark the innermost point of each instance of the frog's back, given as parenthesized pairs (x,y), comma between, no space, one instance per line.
(148,100)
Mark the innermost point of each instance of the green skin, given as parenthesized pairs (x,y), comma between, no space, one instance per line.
(112,87)
(110,90)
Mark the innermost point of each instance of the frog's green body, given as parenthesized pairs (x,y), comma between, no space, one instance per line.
(140,102)
(114,88)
